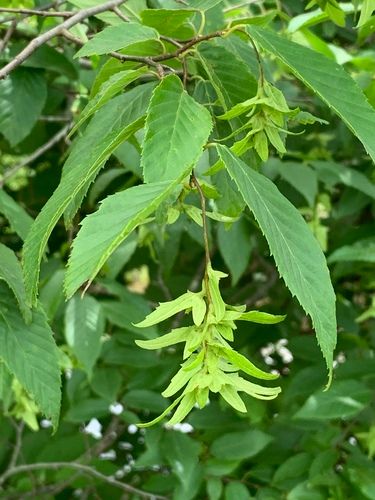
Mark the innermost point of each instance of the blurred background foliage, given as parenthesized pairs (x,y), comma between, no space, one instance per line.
(305,445)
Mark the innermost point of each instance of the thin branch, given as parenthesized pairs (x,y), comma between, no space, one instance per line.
(17,445)
(37,12)
(9,33)
(51,5)
(45,37)
(38,152)
(119,14)
(86,469)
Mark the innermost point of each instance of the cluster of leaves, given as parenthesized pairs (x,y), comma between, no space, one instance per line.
(152,93)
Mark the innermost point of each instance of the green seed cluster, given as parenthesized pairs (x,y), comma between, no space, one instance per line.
(210,363)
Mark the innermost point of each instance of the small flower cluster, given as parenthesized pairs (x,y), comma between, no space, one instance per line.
(211,364)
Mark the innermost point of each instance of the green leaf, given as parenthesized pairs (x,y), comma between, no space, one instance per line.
(229,75)
(235,490)
(333,173)
(103,231)
(174,337)
(346,398)
(123,37)
(115,84)
(84,327)
(214,488)
(214,291)
(19,220)
(301,177)
(83,164)
(327,79)
(24,89)
(11,273)
(297,254)
(203,4)
(30,353)
(240,445)
(235,246)
(177,128)
(171,23)
(123,113)
(360,251)
(261,317)
(183,409)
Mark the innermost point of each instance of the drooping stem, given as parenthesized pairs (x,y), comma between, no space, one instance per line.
(194,181)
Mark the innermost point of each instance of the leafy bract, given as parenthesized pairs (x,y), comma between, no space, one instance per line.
(327,79)
(261,317)
(118,37)
(84,326)
(11,273)
(297,254)
(30,353)
(83,164)
(103,231)
(177,128)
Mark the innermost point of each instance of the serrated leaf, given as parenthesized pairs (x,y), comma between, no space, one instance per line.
(174,337)
(115,84)
(327,79)
(30,353)
(11,273)
(104,230)
(125,111)
(84,327)
(118,37)
(261,317)
(81,168)
(177,128)
(19,220)
(297,254)
(245,365)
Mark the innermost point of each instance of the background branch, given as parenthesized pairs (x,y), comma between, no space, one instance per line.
(45,37)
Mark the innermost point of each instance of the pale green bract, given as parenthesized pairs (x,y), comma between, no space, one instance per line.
(211,365)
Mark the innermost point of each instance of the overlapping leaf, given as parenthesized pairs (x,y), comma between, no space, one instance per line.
(103,231)
(30,353)
(82,166)
(297,254)
(177,128)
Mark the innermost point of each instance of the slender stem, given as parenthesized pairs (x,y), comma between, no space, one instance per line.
(38,152)
(195,182)
(36,12)
(86,469)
